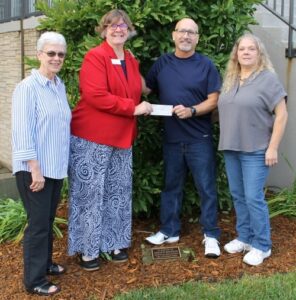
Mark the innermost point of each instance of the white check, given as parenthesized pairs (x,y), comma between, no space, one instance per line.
(162,110)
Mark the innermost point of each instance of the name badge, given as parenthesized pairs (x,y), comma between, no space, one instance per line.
(115,61)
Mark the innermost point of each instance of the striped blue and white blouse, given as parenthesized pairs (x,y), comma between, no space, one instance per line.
(41,125)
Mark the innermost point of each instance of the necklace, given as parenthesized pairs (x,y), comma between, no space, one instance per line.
(249,77)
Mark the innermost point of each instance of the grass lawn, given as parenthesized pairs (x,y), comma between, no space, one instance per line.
(279,286)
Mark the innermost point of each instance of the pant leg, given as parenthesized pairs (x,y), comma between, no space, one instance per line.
(88,166)
(117,217)
(255,173)
(235,178)
(200,158)
(36,236)
(172,195)
(57,185)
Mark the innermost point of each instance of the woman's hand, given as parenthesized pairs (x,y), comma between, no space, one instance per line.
(271,157)
(38,180)
(280,121)
(144,108)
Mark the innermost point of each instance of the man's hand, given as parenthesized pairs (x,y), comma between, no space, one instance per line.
(182,112)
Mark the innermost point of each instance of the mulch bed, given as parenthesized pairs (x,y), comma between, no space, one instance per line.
(112,278)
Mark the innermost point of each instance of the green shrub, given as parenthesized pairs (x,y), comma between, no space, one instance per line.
(283,202)
(220,22)
(13,221)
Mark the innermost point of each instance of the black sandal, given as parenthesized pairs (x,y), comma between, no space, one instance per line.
(55,269)
(90,265)
(43,289)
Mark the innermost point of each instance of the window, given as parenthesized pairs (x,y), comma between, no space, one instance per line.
(2,9)
(31,6)
(15,9)
(12,9)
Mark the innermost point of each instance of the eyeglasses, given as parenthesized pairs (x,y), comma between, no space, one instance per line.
(190,33)
(53,54)
(121,26)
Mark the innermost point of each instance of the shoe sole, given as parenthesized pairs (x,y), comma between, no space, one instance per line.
(43,294)
(255,265)
(165,241)
(233,252)
(212,255)
(90,269)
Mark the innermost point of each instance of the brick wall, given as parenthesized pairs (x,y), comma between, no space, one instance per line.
(10,75)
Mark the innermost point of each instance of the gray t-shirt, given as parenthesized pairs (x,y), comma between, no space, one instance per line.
(246,113)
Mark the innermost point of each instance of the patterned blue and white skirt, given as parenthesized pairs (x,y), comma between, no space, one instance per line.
(100,198)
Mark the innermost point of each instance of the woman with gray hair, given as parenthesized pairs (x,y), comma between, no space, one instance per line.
(40,148)
(103,130)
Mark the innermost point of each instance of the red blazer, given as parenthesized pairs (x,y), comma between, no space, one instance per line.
(104,113)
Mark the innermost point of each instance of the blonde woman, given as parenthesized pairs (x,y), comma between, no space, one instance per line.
(253,116)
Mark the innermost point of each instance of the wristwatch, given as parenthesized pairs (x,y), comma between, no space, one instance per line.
(193,111)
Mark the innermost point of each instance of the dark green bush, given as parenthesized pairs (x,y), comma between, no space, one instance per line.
(13,221)
(220,22)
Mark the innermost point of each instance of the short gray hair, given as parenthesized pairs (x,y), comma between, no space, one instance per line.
(51,37)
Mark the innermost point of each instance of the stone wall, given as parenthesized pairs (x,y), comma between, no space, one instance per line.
(10,70)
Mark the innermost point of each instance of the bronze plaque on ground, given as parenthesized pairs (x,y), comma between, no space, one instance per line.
(166,253)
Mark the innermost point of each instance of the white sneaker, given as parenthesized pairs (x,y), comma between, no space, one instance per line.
(160,238)
(255,257)
(237,246)
(211,247)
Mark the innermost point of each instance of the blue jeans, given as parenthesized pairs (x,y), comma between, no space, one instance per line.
(247,174)
(199,158)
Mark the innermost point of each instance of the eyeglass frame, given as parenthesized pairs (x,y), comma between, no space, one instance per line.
(189,32)
(115,26)
(54,54)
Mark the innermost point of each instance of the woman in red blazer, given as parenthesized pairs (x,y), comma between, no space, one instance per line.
(103,130)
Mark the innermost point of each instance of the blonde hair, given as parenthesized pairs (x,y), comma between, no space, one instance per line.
(233,68)
(112,17)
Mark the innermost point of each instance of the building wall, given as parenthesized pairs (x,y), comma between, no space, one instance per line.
(274,35)
(10,70)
